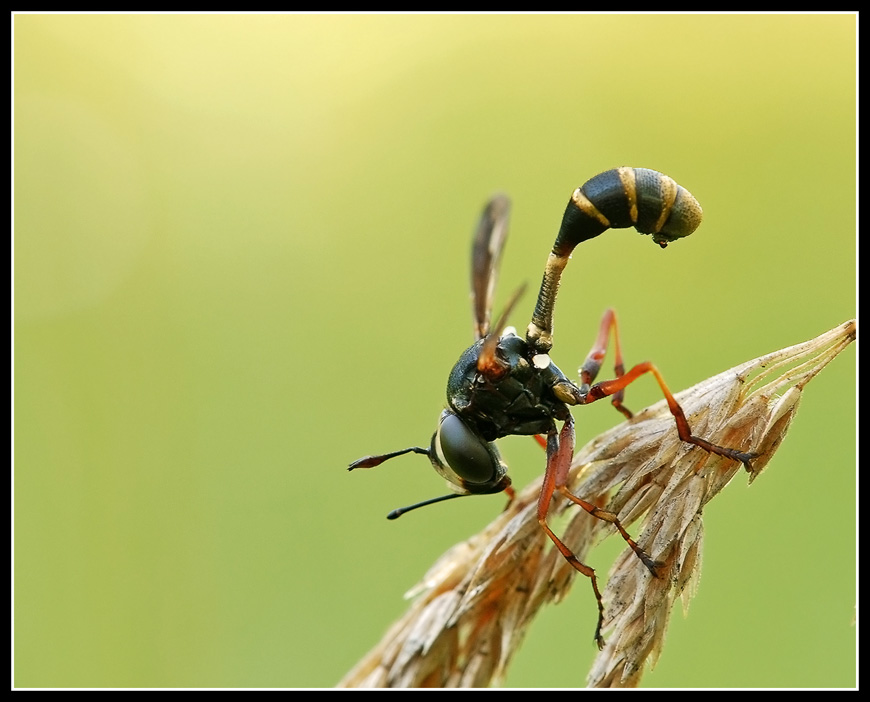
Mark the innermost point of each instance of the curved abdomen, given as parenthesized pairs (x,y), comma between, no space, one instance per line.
(647,200)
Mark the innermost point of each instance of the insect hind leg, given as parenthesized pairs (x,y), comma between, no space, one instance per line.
(592,365)
(608,388)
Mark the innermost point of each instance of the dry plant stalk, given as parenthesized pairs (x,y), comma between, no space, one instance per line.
(471,610)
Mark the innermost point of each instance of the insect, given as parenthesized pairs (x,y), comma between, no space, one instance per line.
(507,385)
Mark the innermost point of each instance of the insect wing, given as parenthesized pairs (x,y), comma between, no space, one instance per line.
(488,362)
(486,251)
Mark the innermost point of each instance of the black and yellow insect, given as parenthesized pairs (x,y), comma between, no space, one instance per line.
(507,385)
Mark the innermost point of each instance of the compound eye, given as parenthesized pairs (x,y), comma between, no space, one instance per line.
(466,453)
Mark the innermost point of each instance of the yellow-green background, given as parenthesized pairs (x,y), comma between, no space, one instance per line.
(241,252)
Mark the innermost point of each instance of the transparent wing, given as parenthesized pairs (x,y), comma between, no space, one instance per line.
(488,361)
(486,252)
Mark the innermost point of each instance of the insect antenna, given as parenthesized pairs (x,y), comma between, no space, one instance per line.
(396,513)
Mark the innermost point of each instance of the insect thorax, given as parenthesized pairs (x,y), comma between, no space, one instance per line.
(520,402)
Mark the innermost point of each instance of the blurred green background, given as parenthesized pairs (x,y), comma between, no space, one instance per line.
(241,261)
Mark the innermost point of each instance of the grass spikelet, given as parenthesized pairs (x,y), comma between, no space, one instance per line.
(470,612)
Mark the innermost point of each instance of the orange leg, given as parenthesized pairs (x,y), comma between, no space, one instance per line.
(604,515)
(612,387)
(592,364)
(560,451)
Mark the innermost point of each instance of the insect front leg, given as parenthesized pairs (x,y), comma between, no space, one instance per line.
(560,449)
